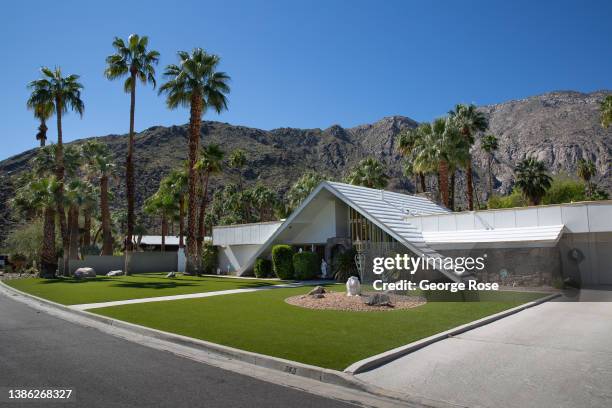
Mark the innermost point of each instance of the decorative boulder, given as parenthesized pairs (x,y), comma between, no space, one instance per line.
(378,299)
(84,273)
(319,290)
(115,273)
(171,275)
(353,287)
(318,296)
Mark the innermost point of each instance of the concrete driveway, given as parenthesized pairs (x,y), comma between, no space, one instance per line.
(557,354)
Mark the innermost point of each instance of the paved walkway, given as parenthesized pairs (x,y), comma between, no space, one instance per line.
(86,306)
(557,354)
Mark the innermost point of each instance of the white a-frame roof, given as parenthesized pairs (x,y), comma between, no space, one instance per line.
(385,209)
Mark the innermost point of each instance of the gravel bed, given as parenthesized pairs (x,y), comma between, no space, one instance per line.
(339,301)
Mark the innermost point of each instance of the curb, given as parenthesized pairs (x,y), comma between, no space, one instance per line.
(378,360)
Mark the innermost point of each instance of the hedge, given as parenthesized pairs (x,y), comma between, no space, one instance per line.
(263,268)
(282,261)
(306,265)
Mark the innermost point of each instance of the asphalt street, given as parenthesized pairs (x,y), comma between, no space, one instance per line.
(41,351)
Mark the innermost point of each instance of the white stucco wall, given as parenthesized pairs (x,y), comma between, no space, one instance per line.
(234,256)
(319,228)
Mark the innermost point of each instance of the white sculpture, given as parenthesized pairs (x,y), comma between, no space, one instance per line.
(323,269)
(353,287)
(118,272)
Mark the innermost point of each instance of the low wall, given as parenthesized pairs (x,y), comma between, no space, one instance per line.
(141,262)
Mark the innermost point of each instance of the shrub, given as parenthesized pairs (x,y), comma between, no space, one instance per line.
(263,268)
(209,259)
(282,261)
(515,199)
(305,265)
(564,189)
(344,266)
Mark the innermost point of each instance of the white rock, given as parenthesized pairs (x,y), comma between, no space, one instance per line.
(115,273)
(85,273)
(353,287)
(171,275)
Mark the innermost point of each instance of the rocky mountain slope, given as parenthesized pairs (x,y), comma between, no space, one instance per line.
(558,127)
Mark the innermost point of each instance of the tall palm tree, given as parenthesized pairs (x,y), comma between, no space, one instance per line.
(210,162)
(237,161)
(441,148)
(195,83)
(64,92)
(101,165)
(369,172)
(532,178)
(586,170)
(469,121)
(43,110)
(134,60)
(408,139)
(490,145)
(264,201)
(606,111)
(162,204)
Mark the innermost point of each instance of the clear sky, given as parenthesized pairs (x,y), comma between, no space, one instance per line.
(307,63)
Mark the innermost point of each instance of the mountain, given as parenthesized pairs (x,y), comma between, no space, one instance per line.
(558,127)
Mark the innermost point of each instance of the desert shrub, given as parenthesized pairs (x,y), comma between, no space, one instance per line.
(564,189)
(514,199)
(305,265)
(282,261)
(344,266)
(263,268)
(209,259)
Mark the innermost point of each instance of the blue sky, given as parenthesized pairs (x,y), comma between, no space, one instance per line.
(308,63)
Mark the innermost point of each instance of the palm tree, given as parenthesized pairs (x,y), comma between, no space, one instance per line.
(210,162)
(302,189)
(490,145)
(101,165)
(43,112)
(38,196)
(408,139)
(134,60)
(469,121)
(586,170)
(606,111)
(369,173)
(440,149)
(176,183)
(162,204)
(532,179)
(64,92)
(195,83)
(264,201)
(237,161)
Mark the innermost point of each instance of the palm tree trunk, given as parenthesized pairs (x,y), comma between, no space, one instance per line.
(443,182)
(489,162)
(201,223)
(73,223)
(181,221)
(452,190)
(59,195)
(164,232)
(422,178)
(195,121)
(42,133)
(470,184)
(48,262)
(129,176)
(87,227)
(107,238)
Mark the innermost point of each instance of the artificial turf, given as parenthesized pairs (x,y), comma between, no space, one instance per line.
(262,322)
(70,291)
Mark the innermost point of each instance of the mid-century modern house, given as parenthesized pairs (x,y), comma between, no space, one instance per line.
(522,246)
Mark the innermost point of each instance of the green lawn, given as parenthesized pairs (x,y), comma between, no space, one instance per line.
(105,289)
(262,322)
